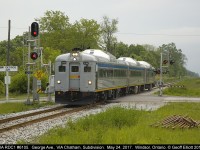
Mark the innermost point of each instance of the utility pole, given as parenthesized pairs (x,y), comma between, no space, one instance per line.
(8,50)
(8,63)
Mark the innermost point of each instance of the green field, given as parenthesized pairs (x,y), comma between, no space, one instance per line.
(191,88)
(19,96)
(126,126)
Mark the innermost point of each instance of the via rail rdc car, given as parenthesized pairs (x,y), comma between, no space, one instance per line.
(91,75)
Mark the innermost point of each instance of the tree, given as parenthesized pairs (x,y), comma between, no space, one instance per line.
(86,33)
(121,50)
(109,27)
(58,33)
(50,54)
(53,21)
(53,30)
(137,52)
(175,54)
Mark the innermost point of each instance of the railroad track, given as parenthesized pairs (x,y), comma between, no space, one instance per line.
(27,120)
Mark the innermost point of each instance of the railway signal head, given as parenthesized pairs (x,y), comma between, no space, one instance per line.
(165,61)
(157,71)
(34,29)
(172,62)
(34,55)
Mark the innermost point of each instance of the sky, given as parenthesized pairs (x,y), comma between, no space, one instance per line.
(153,22)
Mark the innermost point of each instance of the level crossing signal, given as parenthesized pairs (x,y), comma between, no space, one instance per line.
(165,61)
(34,55)
(172,62)
(34,29)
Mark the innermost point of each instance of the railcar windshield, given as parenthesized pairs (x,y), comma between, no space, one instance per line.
(87,69)
(75,69)
(61,68)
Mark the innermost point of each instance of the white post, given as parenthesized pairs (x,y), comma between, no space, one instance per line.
(41,59)
(7,86)
(49,94)
(29,51)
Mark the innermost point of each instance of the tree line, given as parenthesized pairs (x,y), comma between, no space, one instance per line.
(58,35)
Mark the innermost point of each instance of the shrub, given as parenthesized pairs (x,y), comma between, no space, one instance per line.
(19,83)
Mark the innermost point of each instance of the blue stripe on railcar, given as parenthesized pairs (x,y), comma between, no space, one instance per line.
(118,66)
(112,66)
(134,68)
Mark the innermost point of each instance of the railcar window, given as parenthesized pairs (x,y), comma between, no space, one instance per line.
(110,73)
(87,69)
(102,73)
(61,68)
(75,69)
(116,73)
(123,73)
(136,73)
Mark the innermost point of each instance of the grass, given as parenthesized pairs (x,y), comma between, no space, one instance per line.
(19,106)
(19,96)
(126,126)
(191,88)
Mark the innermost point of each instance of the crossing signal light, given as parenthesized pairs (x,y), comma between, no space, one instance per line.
(157,71)
(34,55)
(34,29)
(172,62)
(165,61)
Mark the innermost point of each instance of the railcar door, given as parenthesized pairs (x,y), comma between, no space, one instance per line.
(74,77)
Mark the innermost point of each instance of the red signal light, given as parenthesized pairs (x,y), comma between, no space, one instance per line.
(34,29)
(34,55)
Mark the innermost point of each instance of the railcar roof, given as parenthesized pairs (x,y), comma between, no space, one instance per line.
(83,57)
(63,57)
(102,56)
(130,61)
(146,64)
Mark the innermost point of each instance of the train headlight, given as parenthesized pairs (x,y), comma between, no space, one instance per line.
(74,59)
(74,54)
(89,82)
(58,82)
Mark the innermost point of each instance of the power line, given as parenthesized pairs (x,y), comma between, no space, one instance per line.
(12,28)
(131,33)
(160,34)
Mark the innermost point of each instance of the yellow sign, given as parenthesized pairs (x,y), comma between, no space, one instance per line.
(39,74)
(39,90)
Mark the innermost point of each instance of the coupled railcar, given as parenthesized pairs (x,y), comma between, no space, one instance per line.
(91,75)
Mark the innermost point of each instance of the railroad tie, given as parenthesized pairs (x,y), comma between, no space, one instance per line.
(177,121)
